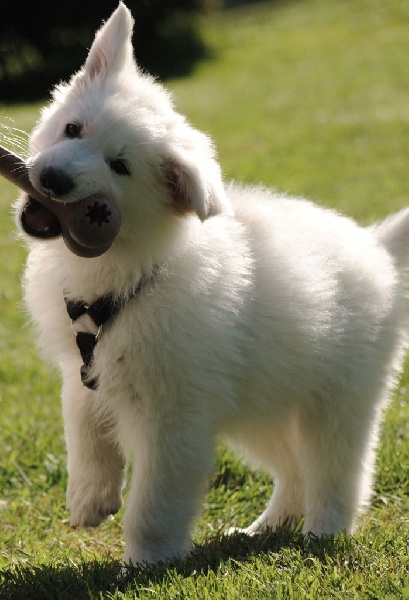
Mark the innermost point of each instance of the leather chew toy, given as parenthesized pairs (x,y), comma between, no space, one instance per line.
(88,226)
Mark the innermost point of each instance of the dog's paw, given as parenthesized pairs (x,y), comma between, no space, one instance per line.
(240,531)
(136,554)
(91,503)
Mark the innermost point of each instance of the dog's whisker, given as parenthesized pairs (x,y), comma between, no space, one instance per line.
(16,138)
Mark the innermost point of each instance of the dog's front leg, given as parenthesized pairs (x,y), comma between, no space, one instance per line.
(95,464)
(173,456)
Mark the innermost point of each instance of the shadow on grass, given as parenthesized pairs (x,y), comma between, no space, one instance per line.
(95,579)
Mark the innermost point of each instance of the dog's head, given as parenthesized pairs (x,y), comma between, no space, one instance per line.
(113,131)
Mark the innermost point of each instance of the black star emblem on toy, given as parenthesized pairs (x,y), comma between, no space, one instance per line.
(98,213)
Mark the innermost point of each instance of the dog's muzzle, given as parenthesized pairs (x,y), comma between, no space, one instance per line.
(88,226)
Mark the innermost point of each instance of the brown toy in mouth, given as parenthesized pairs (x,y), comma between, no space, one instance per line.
(88,226)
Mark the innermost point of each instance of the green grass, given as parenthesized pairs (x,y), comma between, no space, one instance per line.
(308,96)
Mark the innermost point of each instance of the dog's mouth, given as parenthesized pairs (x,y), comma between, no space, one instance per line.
(88,226)
(38,221)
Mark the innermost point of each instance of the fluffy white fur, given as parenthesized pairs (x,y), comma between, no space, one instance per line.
(273,322)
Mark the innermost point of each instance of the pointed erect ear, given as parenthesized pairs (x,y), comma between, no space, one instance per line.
(194,188)
(112,47)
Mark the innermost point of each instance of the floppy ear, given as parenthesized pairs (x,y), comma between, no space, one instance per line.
(194,189)
(112,47)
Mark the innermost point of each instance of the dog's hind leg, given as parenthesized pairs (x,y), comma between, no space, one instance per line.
(278,453)
(338,458)
(95,464)
(285,507)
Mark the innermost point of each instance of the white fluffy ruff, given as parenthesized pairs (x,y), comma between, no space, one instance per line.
(273,322)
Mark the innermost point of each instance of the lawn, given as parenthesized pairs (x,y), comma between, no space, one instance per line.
(308,96)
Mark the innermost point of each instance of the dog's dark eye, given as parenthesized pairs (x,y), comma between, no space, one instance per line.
(72,130)
(119,166)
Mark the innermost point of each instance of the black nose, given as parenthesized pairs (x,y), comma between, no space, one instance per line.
(55,181)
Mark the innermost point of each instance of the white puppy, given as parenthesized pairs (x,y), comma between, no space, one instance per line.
(265,319)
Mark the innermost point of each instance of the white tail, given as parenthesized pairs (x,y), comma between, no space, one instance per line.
(393,233)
